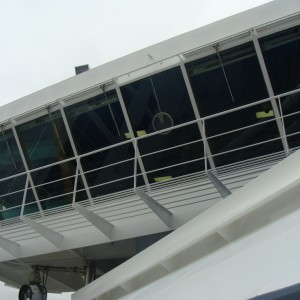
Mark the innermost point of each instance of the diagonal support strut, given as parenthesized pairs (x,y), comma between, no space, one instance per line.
(52,236)
(100,223)
(222,189)
(11,247)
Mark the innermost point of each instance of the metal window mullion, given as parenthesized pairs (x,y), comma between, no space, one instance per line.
(85,183)
(283,126)
(75,183)
(128,123)
(197,114)
(268,83)
(26,168)
(25,195)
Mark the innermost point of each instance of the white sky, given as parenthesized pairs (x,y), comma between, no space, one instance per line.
(42,41)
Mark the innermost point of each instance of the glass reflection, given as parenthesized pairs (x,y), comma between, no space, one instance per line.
(227,81)
(44,141)
(11,190)
(281,54)
(96,123)
(156,103)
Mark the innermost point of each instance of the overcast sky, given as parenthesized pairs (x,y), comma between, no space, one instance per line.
(42,41)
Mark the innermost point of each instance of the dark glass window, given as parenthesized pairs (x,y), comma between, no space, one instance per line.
(11,190)
(155,103)
(10,159)
(281,53)
(96,123)
(55,185)
(44,141)
(227,81)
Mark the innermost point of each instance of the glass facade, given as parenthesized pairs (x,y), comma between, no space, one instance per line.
(281,53)
(225,80)
(156,103)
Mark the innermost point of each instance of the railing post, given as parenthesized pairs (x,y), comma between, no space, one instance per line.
(25,195)
(204,145)
(283,126)
(76,180)
(135,164)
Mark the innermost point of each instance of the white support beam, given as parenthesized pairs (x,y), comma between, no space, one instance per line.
(197,114)
(52,236)
(69,133)
(10,247)
(100,223)
(222,189)
(130,129)
(163,213)
(269,88)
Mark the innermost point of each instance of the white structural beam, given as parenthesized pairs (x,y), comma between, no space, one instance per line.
(52,236)
(266,76)
(163,213)
(10,247)
(197,114)
(100,223)
(222,189)
(268,207)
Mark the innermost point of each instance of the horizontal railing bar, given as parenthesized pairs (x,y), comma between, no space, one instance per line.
(176,165)
(245,147)
(171,148)
(54,181)
(241,128)
(14,192)
(107,166)
(252,104)
(14,176)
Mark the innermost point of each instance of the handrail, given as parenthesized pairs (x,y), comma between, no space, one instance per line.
(134,175)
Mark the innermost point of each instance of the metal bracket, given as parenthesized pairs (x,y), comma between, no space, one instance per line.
(222,189)
(100,223)
(163,213)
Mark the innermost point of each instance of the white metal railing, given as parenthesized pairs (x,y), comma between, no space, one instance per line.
(19,210)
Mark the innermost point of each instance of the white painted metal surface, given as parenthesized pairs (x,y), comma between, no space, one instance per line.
(235,248)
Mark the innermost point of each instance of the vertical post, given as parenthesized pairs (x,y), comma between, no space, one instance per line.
(196,112)
(65,121)
(125,114)
(135,165)
(266,77)
(26,167)
(24,195)
(283,126)
(75,183)
(204,146)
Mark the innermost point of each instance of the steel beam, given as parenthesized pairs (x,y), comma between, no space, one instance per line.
(52,236)
(197,114)
(100,223)
(222,189)
(269,88)
(163,213)
(68,130)
(10,247)
(128,123)
(26,168)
